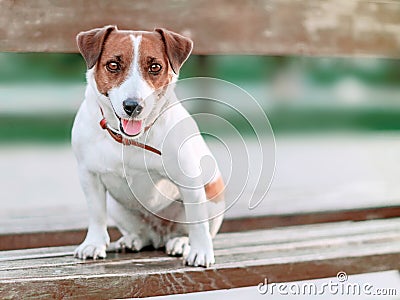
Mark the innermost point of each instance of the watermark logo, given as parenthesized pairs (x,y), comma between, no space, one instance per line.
(340,286)
(341,276)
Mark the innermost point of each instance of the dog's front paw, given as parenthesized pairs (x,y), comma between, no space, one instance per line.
(201,252)
(90,250)
(200,257)
(93,247)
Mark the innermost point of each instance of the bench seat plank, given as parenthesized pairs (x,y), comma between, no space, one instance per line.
(243,259)
(65,230)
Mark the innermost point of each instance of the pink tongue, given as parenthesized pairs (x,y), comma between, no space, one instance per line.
(131,127)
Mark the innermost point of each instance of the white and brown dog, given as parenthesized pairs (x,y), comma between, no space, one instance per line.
(153,192)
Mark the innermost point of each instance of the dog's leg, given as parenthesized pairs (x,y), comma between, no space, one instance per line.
(216,215)
(182,163)
(201,247)
(97,238)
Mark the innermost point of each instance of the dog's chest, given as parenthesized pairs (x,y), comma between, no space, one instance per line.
(127,172)
(106,156)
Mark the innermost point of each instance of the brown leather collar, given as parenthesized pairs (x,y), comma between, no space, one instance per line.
(117,136)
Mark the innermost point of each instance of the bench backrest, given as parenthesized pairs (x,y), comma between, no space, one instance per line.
(274,27)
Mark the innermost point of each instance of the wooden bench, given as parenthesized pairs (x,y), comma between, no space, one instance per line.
(243,259)
(247,252)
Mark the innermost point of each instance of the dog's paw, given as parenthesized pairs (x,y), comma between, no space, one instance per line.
(91,250)
(178,246)
(94,246)
(130,241)
(201,251)
(200,257)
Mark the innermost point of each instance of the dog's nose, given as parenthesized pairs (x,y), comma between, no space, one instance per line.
(132,107)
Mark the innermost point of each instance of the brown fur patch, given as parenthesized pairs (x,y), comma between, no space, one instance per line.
(152,50)
(118,47)
(90,43)
(215,190)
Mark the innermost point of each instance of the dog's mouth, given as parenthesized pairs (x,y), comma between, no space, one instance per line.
(130,127)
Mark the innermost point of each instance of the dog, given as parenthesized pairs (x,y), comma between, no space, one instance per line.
(139,151)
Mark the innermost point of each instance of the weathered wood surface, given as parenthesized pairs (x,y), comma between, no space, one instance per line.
(243,259)
(277,27)
(26,233)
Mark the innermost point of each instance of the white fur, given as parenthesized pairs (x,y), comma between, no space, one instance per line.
(133,181)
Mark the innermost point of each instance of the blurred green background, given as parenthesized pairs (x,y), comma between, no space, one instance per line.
(40,92)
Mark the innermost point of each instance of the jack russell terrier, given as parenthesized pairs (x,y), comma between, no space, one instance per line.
(139,161)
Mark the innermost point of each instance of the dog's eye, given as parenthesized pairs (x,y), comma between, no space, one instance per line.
(155,68)
(113,66)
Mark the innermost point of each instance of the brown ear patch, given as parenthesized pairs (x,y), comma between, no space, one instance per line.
(178,48)
(215,190)
(117,48)
(90,43)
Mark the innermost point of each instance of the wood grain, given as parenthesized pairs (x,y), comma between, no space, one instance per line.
(273,27)
(243,259)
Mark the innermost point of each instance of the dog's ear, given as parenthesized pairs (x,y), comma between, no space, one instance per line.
(90,43)
(177,46)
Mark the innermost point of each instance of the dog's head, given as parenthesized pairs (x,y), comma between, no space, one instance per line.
(131,68)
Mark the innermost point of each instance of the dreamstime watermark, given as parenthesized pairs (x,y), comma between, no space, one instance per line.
(339,286)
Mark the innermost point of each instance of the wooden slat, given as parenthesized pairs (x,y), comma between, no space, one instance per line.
(47,238)
(243,259)
(278,27)
(27,234)
(271,221)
